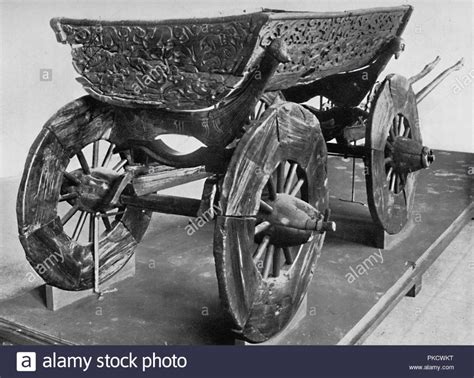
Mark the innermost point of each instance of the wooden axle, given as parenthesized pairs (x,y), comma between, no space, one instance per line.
(164,204)
(348,150)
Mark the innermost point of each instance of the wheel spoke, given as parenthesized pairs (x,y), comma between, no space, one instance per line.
(265,207)
(402,180)
(277,262)
(262,247)
(79,225)
(271,189)
(393,131)
(268,261)
(406,134)
(400,123)
(281,177)
(83,162)
(260,109)
(389,174)
(290,178)
(91,228)
(73,210)
(262,227)
(107,224)
(297,187)
(67,196)
(95,154)
(288,256)
(120,164)
(396,188)
(108,155)
(72,178)
(392,182)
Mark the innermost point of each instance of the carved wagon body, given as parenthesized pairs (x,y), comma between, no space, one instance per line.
(235,84)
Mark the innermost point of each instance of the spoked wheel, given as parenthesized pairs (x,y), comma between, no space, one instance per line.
(69,194)
(274,205)
(396,153)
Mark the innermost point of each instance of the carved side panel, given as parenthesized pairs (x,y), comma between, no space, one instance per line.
(322,46)
(188,64)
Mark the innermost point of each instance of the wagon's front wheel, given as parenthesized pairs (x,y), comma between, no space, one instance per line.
(274,214)
(396,153)
(69,192)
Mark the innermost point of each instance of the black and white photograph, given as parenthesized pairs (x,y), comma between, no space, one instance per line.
(275,176)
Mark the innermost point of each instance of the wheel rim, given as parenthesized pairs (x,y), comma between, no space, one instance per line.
(390,194)
(260,298)
(52,232)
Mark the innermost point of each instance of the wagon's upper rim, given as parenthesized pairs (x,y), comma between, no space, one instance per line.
(270,14)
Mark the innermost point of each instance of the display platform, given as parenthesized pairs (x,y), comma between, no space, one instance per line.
(173,298)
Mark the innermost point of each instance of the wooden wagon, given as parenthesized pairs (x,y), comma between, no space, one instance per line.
(237,85)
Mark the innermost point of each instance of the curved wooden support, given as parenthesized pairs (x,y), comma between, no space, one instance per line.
(59,258)
(215,127)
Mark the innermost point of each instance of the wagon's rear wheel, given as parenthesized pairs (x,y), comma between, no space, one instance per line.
(72,179)
(274,197)
(393,130)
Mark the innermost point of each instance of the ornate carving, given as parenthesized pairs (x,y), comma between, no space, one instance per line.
(184,64)
(195,64)
(326,45)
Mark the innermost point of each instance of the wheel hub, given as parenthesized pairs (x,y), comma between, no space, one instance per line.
(93,191)
(292,221)
(410,155)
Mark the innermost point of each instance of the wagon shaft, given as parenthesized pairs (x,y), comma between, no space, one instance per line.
(438,80)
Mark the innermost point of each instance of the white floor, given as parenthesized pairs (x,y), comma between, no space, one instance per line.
(442,313)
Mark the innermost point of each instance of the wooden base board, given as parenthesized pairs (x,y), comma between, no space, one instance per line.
(354,223)
(409,284)
(57,298)
(281,337)
(416,288)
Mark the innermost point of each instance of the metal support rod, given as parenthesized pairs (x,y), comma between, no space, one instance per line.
(353,177)
(427,90)
(96,218)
